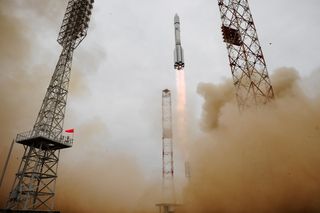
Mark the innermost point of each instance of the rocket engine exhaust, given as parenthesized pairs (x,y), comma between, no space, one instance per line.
(181,91)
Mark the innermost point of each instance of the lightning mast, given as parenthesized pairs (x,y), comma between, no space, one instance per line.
(248,67)
(168,191)
(167,146)
(34,185)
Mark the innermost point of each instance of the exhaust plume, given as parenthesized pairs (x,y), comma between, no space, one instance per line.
(181,114)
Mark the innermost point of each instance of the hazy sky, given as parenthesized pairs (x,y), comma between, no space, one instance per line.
(127,59)
(137,41)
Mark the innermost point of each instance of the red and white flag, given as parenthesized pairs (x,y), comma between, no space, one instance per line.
(69,130)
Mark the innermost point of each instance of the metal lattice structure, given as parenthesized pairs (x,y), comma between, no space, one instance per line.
(167,151)
(168,193)
(248,66)
(167,146)
(34,185)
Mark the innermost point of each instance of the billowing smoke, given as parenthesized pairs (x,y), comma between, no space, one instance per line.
(95,178)
(259,160)
(15,79)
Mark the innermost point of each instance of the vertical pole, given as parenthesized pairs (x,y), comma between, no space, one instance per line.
(6,163)
(167,149)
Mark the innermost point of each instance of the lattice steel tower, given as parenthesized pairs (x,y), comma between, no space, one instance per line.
(167,146)
(34,185)
(168,192)
(248,67)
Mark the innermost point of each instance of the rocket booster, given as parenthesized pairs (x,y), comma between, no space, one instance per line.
(178,51)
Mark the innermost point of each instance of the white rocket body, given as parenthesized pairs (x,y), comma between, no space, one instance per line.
(178,51)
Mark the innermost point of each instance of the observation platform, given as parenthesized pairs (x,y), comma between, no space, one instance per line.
(43,140)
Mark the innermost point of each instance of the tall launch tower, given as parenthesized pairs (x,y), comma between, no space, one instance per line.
(248,67)
(168,192)
(34,185)
(167,146)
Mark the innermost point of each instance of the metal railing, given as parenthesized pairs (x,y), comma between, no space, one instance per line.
(66,140)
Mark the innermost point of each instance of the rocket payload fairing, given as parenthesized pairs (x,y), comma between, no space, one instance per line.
(178,51)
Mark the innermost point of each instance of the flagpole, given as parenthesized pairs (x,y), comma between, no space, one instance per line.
(70,131)
(6,163)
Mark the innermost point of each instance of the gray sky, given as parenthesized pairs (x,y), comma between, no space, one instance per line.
(127,59)
(138,41)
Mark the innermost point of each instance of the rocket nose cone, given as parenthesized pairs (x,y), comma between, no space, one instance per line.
(176,18)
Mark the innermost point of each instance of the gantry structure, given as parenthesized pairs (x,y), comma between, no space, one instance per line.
(35,181)
(248,66)
(168,192)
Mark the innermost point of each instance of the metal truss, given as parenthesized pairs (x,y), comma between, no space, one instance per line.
(34,185)
(72,32)
(75,22)
(167,147)
(51,115)
(248,66)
